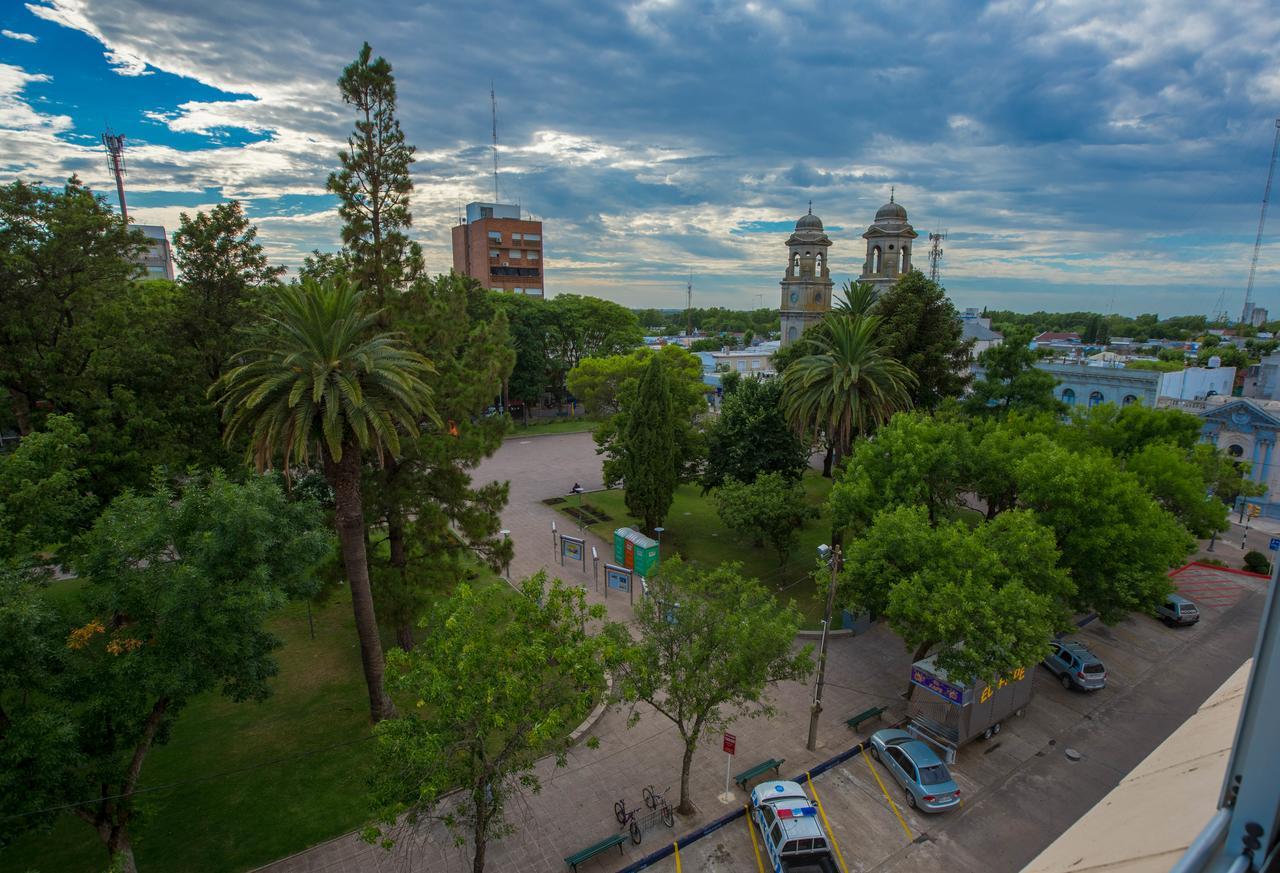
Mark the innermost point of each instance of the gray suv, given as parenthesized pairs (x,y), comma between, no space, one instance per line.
(1075,666)
(1177,610)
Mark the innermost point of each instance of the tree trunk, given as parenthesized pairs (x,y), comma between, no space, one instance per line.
(686,805)
(404,636)
(921,651)
(21,407)
(344,477)
(826,460)
(478,831)
(121,851)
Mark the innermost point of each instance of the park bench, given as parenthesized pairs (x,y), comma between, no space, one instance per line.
(591,851)
(764,766)
(873,712)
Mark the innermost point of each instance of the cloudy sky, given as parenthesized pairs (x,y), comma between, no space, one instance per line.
(1104,155)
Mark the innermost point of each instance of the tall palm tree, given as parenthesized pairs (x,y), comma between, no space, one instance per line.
(324,384)
(859,298)
(846,385)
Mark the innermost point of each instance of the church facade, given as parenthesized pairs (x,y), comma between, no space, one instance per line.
(807,285)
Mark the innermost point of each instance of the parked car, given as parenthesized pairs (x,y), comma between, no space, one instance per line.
(792,835)
(1075,666)
(1176,610)
(918,769)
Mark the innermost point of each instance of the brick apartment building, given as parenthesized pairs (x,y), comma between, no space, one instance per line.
(499,248)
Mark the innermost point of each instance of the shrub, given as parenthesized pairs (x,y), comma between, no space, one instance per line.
(1256,562)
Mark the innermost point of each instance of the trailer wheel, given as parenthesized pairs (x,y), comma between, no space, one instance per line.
(1019,713)
(987,734)
(995,728)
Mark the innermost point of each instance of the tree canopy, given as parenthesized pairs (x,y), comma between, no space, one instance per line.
(922,331)
(751,436)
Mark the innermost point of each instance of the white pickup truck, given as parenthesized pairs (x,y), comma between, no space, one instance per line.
(790,829)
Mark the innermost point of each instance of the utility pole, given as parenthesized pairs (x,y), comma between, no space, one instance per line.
(115,163)
(833,558)
(688,307)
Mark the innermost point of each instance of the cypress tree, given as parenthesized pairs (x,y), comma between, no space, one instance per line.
(649,449)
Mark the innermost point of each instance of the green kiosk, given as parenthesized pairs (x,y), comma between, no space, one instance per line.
(635,551)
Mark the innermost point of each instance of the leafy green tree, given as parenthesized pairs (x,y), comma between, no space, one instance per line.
(1228,356)
(647,456)
(1177,482)
(1011,381)
(847,385)
(425,501)
(43,496)
(729,381)
(915,459)
(529,322)
(64,255)
(322,384)
(1122,431)
(772,508)
(1256,562)
(986,600)
(224,271)
(374,183)
(751,437)
(1225,477)
(1096,330)
(921,330)
(180,586)
(325,266)
(1118,543)
(710,643)
(707,344)
(683,374)
(500,683)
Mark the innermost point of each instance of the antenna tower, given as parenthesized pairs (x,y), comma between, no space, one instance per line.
(115,164)
(493,105)
(1246,315)
(688,306)
(935,254)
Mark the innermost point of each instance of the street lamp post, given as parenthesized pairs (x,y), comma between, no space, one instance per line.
(658,531)
(506,538)
(832,556)
(577,489)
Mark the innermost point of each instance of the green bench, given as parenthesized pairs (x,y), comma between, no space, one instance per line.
(591,851)
(873,712)
(763,767)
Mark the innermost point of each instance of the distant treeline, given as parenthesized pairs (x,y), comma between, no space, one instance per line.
(1093,326)
(715,320)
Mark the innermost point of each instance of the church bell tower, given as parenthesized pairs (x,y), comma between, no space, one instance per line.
(806,287)
(889,240)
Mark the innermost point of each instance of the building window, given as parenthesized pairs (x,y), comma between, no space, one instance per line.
(742,365)
(532,256)
(795,265)
(495,235)
(1129,400)
(1095,397)
(906,264)
(1069,397)
(755,363)
(493,253)
(515,237)
(513,254)
(875,260)
(1235,450)
(791,334)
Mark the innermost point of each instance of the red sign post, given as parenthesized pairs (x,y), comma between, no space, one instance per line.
(730,748)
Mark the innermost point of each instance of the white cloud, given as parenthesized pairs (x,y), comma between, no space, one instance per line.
(21,37)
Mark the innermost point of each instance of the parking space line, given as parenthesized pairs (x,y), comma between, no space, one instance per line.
(902,821)
(755,846)
(826,824)
(675,844)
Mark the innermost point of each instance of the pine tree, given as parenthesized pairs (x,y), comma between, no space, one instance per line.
(374,183)
(649,449)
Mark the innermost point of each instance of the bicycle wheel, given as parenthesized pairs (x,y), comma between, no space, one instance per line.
(649,802)
(635,832)
(667,818)
(620,812)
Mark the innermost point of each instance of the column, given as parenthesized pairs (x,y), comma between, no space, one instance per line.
(1266,461)
(1255,469)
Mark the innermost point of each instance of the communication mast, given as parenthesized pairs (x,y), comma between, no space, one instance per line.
(935,254)
(688,306)
(1246,315)
(493,103)
(115,163)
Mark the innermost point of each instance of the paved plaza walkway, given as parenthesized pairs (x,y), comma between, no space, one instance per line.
(575,807)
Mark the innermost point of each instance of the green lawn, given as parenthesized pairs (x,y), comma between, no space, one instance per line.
(695,532)
(285,774)
(562,425)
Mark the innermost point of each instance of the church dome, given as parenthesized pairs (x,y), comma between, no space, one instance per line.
(809,222)
(891,211)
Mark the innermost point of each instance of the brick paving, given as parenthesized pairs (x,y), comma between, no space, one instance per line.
(575,806)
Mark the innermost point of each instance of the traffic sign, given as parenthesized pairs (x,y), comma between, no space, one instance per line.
(1254,510)
(1274,545)
(730,743)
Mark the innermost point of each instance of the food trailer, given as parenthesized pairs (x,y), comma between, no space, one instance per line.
(949,713)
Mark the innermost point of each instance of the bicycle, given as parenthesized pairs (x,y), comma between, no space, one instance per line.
(624,818)
(654,799)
